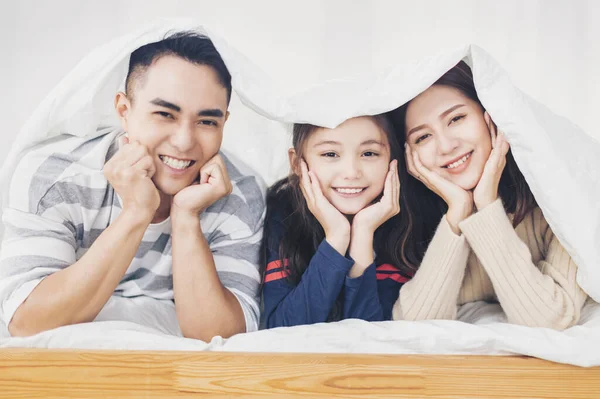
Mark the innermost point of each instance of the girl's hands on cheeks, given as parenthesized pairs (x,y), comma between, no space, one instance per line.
(486,190)
(459,200)
(373,216)
(370,218)
(335,225)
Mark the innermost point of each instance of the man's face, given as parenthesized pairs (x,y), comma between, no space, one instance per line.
(178,110)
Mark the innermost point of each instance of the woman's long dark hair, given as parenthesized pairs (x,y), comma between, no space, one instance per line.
(303,233)
(426,207)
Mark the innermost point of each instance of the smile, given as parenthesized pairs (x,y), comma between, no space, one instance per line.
(175,163)
(456,164)
(348,190)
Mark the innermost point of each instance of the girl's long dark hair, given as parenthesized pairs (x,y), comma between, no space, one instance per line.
(427,208)
(303,233)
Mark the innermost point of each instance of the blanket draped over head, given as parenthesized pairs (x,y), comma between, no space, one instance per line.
(560,162)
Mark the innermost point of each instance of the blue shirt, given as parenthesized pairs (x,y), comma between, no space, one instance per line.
(324,282)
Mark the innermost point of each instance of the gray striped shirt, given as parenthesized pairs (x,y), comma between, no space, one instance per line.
(60,202)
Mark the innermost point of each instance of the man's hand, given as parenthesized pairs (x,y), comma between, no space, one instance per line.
(214,184)
(130,173)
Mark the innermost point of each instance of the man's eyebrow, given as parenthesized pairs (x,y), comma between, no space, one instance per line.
(162,103)
(215,112)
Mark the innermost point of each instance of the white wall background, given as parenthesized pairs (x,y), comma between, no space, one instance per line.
(549,47)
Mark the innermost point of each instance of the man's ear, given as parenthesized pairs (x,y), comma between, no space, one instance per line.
(226,116)
(123,107)
(294,162)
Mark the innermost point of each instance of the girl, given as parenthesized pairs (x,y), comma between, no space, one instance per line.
(326,220)
(480,234)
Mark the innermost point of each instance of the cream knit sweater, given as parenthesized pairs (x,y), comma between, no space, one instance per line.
(525,269)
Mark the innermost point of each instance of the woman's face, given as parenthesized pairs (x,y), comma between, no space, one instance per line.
(351,162)
(449,132)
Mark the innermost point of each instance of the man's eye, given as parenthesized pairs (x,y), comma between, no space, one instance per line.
(164,114)
(421,138)
(207,123)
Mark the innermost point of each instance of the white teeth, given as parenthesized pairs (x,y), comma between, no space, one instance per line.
(349,190)
(459,162)
(175,163)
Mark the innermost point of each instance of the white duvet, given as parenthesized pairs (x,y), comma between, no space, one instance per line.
(480,331)
(560,162)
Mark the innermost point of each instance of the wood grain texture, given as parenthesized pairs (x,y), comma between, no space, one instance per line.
(38,373)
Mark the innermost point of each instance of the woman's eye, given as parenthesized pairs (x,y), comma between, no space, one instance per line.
(329,154)
(456,119)
(421,138)
(370,154)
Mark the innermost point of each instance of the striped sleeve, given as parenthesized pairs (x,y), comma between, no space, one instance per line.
(34,246)
(372,295)
(236,242)
(313,298)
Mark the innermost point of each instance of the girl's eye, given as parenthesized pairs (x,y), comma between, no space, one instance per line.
(370,154)
(456,119)
(208,122)
(421,138)
(165,114)
(330,154)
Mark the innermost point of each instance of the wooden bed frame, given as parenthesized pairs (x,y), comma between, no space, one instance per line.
(42,373)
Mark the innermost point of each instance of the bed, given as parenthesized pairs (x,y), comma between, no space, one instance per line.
(36,373)
(479,355)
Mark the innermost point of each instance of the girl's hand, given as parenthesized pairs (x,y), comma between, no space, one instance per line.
(486,190)
(370,218)
(373,216)
(335,225)
(459,200)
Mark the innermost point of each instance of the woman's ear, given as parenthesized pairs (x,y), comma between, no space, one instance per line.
(294,162)
(122,106)
(487,118)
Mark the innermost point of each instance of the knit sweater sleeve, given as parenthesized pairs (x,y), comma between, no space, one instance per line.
(542,295)
(433,291)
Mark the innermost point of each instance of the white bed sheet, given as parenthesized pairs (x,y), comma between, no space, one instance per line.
(481,330)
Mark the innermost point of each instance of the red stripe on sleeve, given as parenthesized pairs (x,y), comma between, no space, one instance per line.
(275,276)
(386,267)
(276,264)
(396,277)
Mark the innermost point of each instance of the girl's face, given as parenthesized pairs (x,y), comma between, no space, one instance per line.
(350,161)
(448,131)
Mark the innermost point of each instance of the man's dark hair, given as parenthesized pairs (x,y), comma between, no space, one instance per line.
(189,45)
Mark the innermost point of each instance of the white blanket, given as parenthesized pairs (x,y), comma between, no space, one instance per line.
(560,162)
(481,330)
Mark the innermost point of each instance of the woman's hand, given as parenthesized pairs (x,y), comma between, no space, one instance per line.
(486,190)
(459,200)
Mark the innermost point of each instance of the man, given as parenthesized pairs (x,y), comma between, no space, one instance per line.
(157,212)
